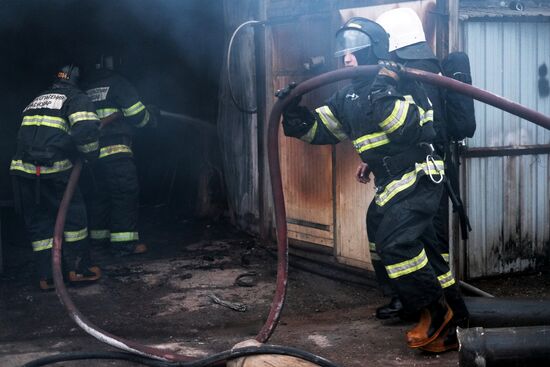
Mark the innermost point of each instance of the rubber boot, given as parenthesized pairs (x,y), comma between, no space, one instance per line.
(433,320)
(129,249)
(139,248)
(390,310)
(43,263)
(47,284)
(445,342)
(86,275)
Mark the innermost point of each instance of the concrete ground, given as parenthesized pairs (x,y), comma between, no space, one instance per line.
(163,298)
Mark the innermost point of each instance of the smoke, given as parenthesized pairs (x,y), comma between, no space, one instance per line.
(171,50)
(168,43)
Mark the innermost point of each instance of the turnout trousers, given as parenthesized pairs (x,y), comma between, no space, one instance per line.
(113,203)
(406,243)
(39,213)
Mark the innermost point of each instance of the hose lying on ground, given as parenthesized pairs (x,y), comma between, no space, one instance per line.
(211,360)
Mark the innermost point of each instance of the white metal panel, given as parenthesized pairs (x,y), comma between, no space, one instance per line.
(507,197)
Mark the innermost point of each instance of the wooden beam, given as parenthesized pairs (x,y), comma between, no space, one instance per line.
(454,38)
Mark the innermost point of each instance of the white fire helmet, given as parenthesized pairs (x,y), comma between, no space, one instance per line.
(403,26)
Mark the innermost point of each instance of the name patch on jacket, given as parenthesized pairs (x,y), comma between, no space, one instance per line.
(53,101)
(98,94)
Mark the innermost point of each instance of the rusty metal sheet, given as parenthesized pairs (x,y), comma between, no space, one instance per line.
(507,197)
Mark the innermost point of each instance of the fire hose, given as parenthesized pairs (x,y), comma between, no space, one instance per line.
(279,206)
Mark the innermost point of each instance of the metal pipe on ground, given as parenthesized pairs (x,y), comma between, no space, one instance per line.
(508,312)
(503,347)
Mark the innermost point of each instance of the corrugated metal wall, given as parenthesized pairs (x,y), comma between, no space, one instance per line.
(507,197)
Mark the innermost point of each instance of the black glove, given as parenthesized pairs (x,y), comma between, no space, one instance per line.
(390,69)
(154,116)
(293,105)
(282,93)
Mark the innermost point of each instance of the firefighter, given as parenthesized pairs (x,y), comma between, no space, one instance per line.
(58,126)
(114,198)
(408,46)
(390,123)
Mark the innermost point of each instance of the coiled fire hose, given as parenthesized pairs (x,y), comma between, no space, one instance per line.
(279,207)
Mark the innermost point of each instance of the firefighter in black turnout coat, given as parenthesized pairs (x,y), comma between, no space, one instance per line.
(390,123)
(58,126)
(408,47)
(113,199)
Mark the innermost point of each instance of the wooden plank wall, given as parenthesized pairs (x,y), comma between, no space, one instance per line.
(307,170)
(325,205)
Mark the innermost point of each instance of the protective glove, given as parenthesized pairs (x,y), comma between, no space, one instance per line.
(282,93)
(293,105)
(154,116)
(390,69)
(362,173)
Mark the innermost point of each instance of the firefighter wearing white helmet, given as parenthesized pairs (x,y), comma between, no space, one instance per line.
(408,46)
(388,119)
(404,28)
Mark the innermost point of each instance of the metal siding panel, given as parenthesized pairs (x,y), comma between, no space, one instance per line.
(543,49)
(474,32)
(507,197)
(529,72)
(511,79)
(475,206)
(493,82)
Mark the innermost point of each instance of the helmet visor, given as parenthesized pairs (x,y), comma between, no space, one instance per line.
(350,40)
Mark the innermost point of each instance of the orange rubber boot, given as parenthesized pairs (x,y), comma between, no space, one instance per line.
(433,320)
(90,274)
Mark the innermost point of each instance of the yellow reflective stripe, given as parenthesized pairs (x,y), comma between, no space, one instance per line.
(82,116)
(407,180)
(408,266)
(445,257)
(73,236)
(42,244)
(114,149)
(427,116)
(370,141)
(100,234)
(106,112)
(372,246)
(133,110)
(43,120)
(310,135)
(331,122)
(446,280)
(124,236)
(59,166)
(397,117)
(145,120)
(87,148)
